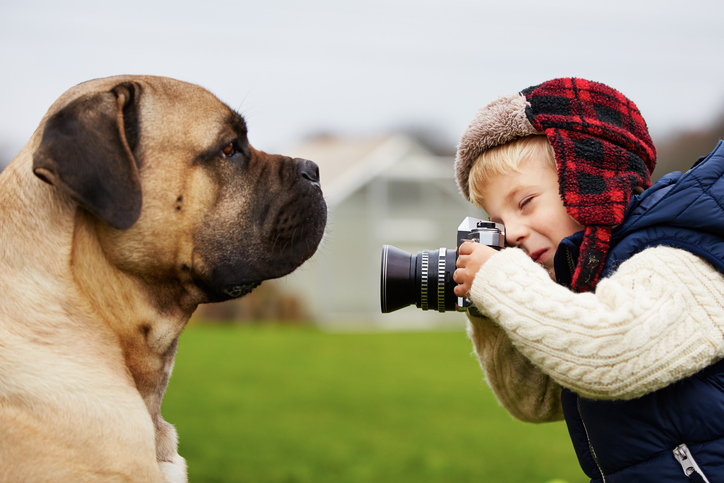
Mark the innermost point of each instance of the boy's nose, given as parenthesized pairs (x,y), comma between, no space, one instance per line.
(515,234)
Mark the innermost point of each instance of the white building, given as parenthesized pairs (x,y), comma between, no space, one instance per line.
(385,190)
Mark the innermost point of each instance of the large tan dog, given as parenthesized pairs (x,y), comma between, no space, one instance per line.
(136,199)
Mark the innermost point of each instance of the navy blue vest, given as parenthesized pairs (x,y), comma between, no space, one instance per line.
(634,440)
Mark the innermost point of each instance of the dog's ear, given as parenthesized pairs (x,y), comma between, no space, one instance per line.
(87,151)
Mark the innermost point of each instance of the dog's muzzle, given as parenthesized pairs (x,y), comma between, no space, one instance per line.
(280,233)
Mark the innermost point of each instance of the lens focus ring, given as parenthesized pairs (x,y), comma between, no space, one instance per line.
(441,281)
(423,283)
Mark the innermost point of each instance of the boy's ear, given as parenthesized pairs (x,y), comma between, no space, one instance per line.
(87,152)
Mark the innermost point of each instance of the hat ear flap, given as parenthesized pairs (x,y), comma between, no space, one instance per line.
(592,258)
(87,152)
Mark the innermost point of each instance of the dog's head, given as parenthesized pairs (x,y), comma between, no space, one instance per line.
(165,174)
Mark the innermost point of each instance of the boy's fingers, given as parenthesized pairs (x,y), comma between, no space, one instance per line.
(461,291)
(463,262)
(466,248)
(463,284)
(458,276)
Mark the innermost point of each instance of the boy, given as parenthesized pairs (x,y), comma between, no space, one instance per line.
(625,346)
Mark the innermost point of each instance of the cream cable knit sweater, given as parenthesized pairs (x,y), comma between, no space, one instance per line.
(657,319)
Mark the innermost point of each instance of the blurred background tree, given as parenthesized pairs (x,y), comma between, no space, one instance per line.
(266,304)
(680,151)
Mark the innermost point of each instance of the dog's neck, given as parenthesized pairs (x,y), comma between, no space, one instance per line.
(35,232)
(147,329)
(63,265)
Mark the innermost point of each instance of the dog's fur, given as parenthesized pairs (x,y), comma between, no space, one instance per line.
(136,199)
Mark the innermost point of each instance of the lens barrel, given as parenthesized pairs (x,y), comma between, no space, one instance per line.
(424,280)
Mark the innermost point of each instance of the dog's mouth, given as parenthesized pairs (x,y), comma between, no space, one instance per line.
(220,292)
(239,290)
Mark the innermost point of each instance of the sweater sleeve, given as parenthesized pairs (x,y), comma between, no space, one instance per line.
(657,319)
(520,387)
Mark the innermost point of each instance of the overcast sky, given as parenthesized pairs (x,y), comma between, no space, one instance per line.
(365,67)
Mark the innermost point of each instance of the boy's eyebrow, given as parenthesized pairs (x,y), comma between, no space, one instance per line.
(514,192)
(510,196)
(507,199)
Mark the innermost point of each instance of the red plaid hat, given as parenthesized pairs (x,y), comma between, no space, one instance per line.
(602,148)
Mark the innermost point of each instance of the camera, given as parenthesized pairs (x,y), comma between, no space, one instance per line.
(426,279)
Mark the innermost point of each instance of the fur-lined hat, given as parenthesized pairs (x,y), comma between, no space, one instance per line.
(602,148)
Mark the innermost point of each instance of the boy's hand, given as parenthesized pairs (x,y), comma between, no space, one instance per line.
(471,256)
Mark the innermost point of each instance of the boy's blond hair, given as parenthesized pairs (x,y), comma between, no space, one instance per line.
(506,159)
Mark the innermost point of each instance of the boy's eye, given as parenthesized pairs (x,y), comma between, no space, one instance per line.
(525,201)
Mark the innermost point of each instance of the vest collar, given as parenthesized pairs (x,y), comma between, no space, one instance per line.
(566,258)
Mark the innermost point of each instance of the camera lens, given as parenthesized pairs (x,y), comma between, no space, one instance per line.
(424,280)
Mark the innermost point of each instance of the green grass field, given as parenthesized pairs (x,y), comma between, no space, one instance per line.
(299,405)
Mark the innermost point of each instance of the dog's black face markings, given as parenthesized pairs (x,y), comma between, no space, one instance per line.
(269,215)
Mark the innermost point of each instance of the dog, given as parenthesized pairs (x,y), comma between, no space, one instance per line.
(136,199)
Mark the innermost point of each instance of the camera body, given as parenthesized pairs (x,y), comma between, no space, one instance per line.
(426,279)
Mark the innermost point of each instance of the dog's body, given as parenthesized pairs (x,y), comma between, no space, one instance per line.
(136,199)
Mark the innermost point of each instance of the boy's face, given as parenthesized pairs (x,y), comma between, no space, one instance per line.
(529,205)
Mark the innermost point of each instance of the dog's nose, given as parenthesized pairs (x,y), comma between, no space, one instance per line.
(309,170)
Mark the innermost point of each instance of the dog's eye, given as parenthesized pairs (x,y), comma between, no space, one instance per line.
(229,150)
